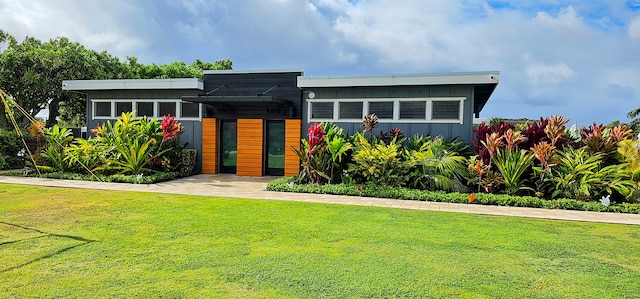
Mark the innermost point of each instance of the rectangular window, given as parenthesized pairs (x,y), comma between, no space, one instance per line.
(166,108)
(144,109)
(189,109)
(350,110)
(321,110)
(102,109)
(384,110)
(123,107)
(445,110)
(413,109)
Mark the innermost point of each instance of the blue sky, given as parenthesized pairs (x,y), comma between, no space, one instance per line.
(578,58)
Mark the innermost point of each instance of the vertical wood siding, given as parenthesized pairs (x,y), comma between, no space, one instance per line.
(209,146)
(293,128)
(250,147)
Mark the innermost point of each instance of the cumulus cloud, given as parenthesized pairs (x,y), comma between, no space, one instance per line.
(576,58)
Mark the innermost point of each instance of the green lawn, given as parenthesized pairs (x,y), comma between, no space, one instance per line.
(83,243)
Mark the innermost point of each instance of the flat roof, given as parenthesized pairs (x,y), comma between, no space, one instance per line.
(472,78)
(114,84)
(212,72)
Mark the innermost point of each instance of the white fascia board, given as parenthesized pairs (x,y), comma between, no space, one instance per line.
(274,71)
(406,80)
(118,84)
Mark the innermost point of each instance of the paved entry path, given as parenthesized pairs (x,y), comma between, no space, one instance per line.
(254,187)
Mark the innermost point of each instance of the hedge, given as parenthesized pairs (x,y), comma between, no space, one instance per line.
(288,184)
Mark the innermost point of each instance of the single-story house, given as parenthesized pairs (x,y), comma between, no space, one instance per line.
(245,122)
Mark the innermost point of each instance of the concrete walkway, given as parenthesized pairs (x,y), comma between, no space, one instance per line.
(253,187)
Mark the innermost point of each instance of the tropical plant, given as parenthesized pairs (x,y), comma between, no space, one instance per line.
(576,173)
(380,163)
(513,164)
(481,175)
(481,132)
(436,168)
(535,132)
(629,155)
(312,156)
(370,122)
(393,134)
(555,130)
(130,158)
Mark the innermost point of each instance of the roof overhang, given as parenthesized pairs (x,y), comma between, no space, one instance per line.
(118,84)
(275,71)
(484,83)
(212,100)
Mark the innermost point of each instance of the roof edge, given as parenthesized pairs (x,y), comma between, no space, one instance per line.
(471,78)
(110,84)
(266,71)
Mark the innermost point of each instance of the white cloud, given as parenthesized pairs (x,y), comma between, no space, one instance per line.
(634,29)
(541,73)
(577,58)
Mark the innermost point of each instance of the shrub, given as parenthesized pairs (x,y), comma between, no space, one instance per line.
(11,148)
(188,162)
(288,184)
(378,163)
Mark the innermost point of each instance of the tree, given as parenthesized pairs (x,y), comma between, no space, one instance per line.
(32,71)
(635,116)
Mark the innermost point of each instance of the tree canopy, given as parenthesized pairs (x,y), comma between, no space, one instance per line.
(32,71)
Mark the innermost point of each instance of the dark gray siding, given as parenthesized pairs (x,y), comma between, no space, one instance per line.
(462,131)
(278,85)
(192,135)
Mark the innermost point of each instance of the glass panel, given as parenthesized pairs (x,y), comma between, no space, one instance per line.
(190,110)
(446,110)
(229,143)
(275,144)
(144,109)
(123,107)
(166,108)
(322,110)
(350,110)
(413,110)
(102,109)
(384,110)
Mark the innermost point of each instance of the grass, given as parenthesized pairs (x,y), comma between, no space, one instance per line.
(58,242)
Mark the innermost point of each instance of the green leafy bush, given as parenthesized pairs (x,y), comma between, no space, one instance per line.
(288,184)
(379,163)
(11,148)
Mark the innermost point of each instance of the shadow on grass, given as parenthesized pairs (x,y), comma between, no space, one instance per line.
(84,241)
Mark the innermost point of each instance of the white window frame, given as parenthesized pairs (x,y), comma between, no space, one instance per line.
(134,105)
(396,110)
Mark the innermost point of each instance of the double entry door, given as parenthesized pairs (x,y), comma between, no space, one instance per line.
(272,149)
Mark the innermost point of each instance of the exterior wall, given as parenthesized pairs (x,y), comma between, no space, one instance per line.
(209,146)
(250,147)
(192,128)
(462,131)
(292,140)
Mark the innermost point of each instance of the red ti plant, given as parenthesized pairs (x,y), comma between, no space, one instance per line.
(555,129)
(535,132)
(481,132)
(370,122)
(543,151)
(493,142)
(316,137)
(514,138)
(171,128)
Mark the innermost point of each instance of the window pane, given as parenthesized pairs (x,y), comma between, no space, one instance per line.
(123,107)
(190,110)
(102,109)
(384,110)
(412,110)
(350,110)
(446,110)
(145,109)
(165,108)
(322,110)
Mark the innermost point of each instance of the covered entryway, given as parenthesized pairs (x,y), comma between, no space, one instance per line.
(251,121)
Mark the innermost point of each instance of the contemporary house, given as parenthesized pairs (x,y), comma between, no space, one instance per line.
(245,122)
